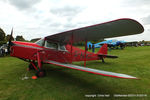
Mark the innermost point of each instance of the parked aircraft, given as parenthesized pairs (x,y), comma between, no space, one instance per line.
(58,49)
(111,44)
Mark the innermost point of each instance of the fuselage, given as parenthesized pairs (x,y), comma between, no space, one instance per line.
(50,51)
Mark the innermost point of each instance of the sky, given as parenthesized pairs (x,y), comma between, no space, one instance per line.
(40,18)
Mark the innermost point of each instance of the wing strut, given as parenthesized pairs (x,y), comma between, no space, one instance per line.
(85,53)
(39,60)
(71,47)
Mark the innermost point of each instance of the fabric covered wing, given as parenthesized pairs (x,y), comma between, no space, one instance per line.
(94,71)
(120,27)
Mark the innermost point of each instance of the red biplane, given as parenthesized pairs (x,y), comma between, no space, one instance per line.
(58,49)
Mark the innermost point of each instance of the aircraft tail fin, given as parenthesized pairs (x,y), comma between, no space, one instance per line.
(103,50)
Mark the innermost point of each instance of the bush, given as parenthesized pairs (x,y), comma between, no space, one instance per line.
(2,42)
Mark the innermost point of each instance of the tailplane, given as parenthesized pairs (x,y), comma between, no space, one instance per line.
(102,53)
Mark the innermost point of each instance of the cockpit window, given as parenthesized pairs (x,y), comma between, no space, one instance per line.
(51,45)
(40,42)
(62,47)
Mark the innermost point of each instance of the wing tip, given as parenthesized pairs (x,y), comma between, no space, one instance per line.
(130,77)
(140,26)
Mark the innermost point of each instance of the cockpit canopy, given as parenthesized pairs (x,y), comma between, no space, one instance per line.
(51,45)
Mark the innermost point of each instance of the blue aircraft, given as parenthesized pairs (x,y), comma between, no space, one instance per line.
(112,44)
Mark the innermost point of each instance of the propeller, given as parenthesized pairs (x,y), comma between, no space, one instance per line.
(9,41)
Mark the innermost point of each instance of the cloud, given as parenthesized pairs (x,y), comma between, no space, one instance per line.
(37,18)
(68,12)
(136,3)
(62,18)
(65,11)
(23,4)
(146,20)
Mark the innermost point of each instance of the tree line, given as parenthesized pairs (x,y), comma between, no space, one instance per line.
(5,38)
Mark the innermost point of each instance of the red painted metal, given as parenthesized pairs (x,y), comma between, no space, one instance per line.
(85,53)
(103,49)
(72,54)
(71,48)
(34,66)
(39,60)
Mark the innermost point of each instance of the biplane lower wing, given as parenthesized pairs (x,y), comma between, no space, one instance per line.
(90,70)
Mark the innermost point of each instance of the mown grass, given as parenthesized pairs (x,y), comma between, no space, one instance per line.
(68,84)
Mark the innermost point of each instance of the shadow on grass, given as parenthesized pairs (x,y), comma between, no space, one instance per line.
(61,82)
(84,81)
(59,79)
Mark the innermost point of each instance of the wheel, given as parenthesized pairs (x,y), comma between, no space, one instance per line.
(30,67)
(41,73)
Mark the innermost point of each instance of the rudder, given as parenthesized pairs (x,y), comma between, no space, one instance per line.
(103,49)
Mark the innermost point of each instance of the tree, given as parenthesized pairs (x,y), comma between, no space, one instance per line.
(2,35)
(20,38)
(34,40)
(8,37)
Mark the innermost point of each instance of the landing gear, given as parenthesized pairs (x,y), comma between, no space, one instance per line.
(41,73)
(102,58)
(31,67)
(37,66)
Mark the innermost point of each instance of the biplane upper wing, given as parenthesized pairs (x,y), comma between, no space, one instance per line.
(90,70)
(120,27)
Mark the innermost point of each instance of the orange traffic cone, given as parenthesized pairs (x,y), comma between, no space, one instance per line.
(34,77)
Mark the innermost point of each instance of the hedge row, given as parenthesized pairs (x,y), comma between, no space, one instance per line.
(2,42)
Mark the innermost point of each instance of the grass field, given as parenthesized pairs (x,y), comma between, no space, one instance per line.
(68,84)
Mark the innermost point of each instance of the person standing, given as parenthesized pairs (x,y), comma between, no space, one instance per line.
(3,52)
(93,48)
